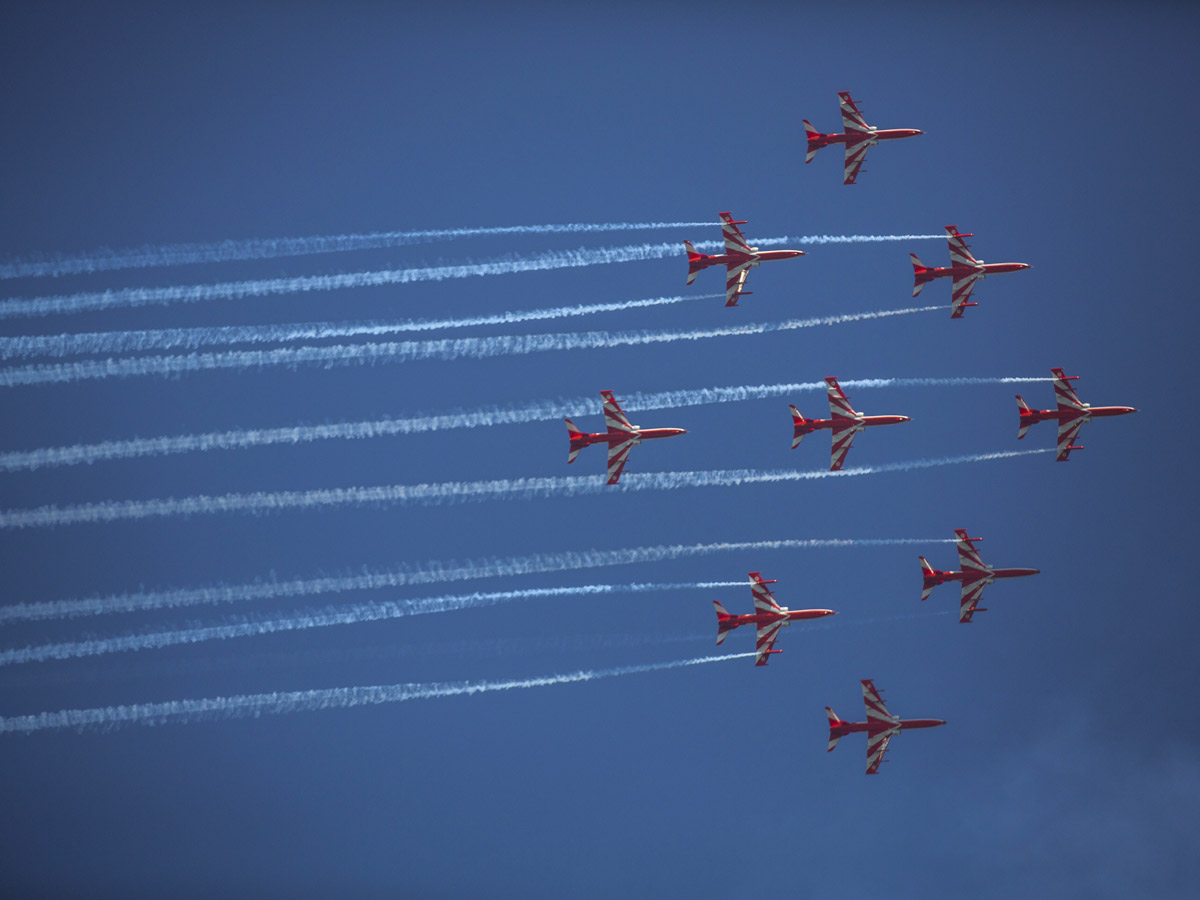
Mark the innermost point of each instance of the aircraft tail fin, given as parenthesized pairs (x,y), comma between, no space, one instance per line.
(576,436)
(927,571)
(800,424)
(814,141)
(694,261)
(724,622)
(834,722)
(1026,417)
(919,269)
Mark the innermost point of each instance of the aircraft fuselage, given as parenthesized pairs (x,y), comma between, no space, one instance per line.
(1033,416)
(737,259)
(620,437)
(938,577)
(841,729)
(811,425)
(929,273)
(767,618)
(882,134)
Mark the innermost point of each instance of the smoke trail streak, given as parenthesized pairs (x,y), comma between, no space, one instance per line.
(436,572)
(446,349)
(192,338)
(358,614)
(303,620)
(446,493)
(536,411)
(274,248)
(279,703)
(230,290)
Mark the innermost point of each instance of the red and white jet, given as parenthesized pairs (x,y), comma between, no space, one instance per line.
(844,422)
(1072,413)
(768,617)
(881,726)
(964,268)
(857,135)
(974,574)
(621,437)
(739,257)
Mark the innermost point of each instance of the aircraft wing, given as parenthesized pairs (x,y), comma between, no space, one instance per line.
(767,633)
(852,120)
(735,241)
(1064,394)
(735,281)
(1068,430)
(969,559)
(877,711)
(960,253)
(877,745)
(764,600)
(856,155)
(842,439)
(839,403)
(614,418)
(960,292)
(972,593)
(618,455)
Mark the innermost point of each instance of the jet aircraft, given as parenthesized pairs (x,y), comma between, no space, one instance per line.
(621,437)
(768,617)
(857,135)
(1072,413)
(964,269)
(881,726)
(974,574)
(739,257)
(844,422)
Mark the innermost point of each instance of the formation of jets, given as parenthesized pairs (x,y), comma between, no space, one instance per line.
(844,422)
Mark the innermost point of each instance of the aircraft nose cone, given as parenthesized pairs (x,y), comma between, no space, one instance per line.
(905,419)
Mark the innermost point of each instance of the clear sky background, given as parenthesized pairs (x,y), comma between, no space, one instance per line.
(1059,136)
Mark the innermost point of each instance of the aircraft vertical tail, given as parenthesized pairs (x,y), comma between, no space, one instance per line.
(930,579)
(725,622)
(1026,417)
(814,141)
(834,722)
(695,261)
(800,424)
(919,269)
(577,437)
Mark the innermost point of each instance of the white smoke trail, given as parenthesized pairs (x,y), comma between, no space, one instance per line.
(489,416)
(279,703)
(426,573)
(274,248)
(445,349)
(303,620)
(192,338)
(446,493)
(230,290)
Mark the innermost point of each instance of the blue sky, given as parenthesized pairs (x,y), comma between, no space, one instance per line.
(1066,767)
